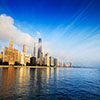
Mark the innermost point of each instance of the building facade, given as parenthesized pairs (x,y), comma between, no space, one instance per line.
(21,58)
(68,64)
(56,62)
(1,57)
(41,58)
(46,60)
(10,54)
(33,61)
(39,47)
(25,49)
(27,58)
(51,59)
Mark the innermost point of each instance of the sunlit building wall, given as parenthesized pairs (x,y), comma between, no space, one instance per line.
(41,58)
(25,49)
(1,57)
(10,54)
(10,44)
(27,58)
(22,58)
(46,60)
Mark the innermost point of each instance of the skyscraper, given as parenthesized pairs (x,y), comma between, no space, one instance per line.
(35,50)
(46,59)
(33,61)
(39,47)
(25,49)
(51,60)
(10,44)
(10,54)
(21,58)
(1,56)
(41,58)
(56,62)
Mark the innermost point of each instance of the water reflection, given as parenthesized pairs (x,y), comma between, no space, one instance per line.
(8,81)
(25,81)
(23,78)
(49,83)
(23,75)
(40,80)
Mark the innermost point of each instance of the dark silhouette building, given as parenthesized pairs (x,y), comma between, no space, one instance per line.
(33,61)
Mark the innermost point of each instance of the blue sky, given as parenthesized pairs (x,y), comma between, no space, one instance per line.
(70,28)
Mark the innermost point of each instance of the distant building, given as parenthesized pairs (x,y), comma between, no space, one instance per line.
(68,64)
(10,44)
(39,47)
(1,57)
(46,60)
(60,64)
(33,61)
(2,51)
(56,62)
(41,58)
(10,54)
(22,58)
(25,49)
(38,61)
(27,58)
(35,50)
(51,59)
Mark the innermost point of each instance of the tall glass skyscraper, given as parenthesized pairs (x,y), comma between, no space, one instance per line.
(39,47)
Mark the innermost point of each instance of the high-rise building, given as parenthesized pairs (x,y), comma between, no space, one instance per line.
(51,61)
(33,61)
(10,54)
(10,44)
(56,62)
(25,49)
(27,58)
(46,60)
(41,58)
(1,56)
(35,50)
(21,58)
(39,47)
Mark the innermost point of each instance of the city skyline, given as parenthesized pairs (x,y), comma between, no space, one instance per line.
(12,56)
(70,29)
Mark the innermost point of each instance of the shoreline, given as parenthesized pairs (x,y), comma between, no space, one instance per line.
(9,66)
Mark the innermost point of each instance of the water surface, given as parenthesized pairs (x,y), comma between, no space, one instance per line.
(49,84)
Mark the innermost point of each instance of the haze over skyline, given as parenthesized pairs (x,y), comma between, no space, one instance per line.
(70,29)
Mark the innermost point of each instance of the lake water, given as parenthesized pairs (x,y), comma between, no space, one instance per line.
(49,84)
